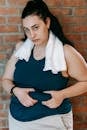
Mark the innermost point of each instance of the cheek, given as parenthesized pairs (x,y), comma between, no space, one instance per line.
(44,32)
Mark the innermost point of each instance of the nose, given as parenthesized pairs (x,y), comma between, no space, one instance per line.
(32,34)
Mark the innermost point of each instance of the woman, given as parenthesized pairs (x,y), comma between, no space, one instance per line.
(35,77)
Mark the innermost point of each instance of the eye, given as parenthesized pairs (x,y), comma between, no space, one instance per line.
(35,28)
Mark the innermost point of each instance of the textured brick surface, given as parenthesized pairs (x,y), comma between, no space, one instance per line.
(73,16)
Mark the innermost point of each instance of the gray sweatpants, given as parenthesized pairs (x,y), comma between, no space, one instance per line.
(54,122)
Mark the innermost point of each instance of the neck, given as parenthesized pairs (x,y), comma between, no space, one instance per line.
(43,45)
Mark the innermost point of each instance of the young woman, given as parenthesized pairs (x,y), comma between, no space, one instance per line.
(37,74)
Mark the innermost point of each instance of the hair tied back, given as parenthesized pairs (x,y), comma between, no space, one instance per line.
(38,0)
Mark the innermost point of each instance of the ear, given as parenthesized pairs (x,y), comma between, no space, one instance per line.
(48,22)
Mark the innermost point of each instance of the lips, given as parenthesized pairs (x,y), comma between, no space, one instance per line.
(36,40)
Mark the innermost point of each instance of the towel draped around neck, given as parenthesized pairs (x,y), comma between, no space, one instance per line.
(54,54)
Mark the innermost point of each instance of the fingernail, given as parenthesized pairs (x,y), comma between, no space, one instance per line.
(43,103)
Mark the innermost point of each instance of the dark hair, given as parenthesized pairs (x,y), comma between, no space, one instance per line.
(38,7)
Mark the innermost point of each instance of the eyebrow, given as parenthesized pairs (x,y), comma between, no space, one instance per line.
(31,26)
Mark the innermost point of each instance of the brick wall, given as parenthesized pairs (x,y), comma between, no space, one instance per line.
(73,17)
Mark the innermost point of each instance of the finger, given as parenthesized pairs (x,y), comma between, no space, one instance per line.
(30,89)
(47,102)
(32,100)
(29,103)
(50,104)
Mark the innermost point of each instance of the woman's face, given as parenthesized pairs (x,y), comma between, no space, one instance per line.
(36,29)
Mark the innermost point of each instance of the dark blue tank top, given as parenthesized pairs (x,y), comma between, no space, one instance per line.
(31,75)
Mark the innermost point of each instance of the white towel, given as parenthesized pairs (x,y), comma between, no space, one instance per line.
(24,51)
(54,54)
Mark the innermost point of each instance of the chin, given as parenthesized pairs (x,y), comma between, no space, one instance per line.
(37,43)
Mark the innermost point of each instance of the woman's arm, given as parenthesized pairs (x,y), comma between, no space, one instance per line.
(7,79)
(77,69)
(7,82)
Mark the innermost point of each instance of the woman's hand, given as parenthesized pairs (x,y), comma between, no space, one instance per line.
(55,101)
(23,96)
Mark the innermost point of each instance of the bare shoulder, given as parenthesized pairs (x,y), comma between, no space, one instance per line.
(69,50)
(76,64)
(72,54)
(18,45)
(12,61)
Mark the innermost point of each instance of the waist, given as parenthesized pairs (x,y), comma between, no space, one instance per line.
(37,111)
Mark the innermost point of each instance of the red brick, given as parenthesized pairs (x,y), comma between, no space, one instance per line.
(81,45)
(75,37)
(75,28)
(14,20)
(74,20)
(5,47)
(9,11)
(3,114)
(53,2)
(1,105)
(17,2)
(77,101)
(84,37)
(80,125)
(7,29)
(85,117)
(80,109)
(2,2)
(74,2)
(5,97)
(2,123)
(80,12)
(61,11)
(2,20)
(1,39)
(6,106)
(78,117)
(13,38)
(2,56)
